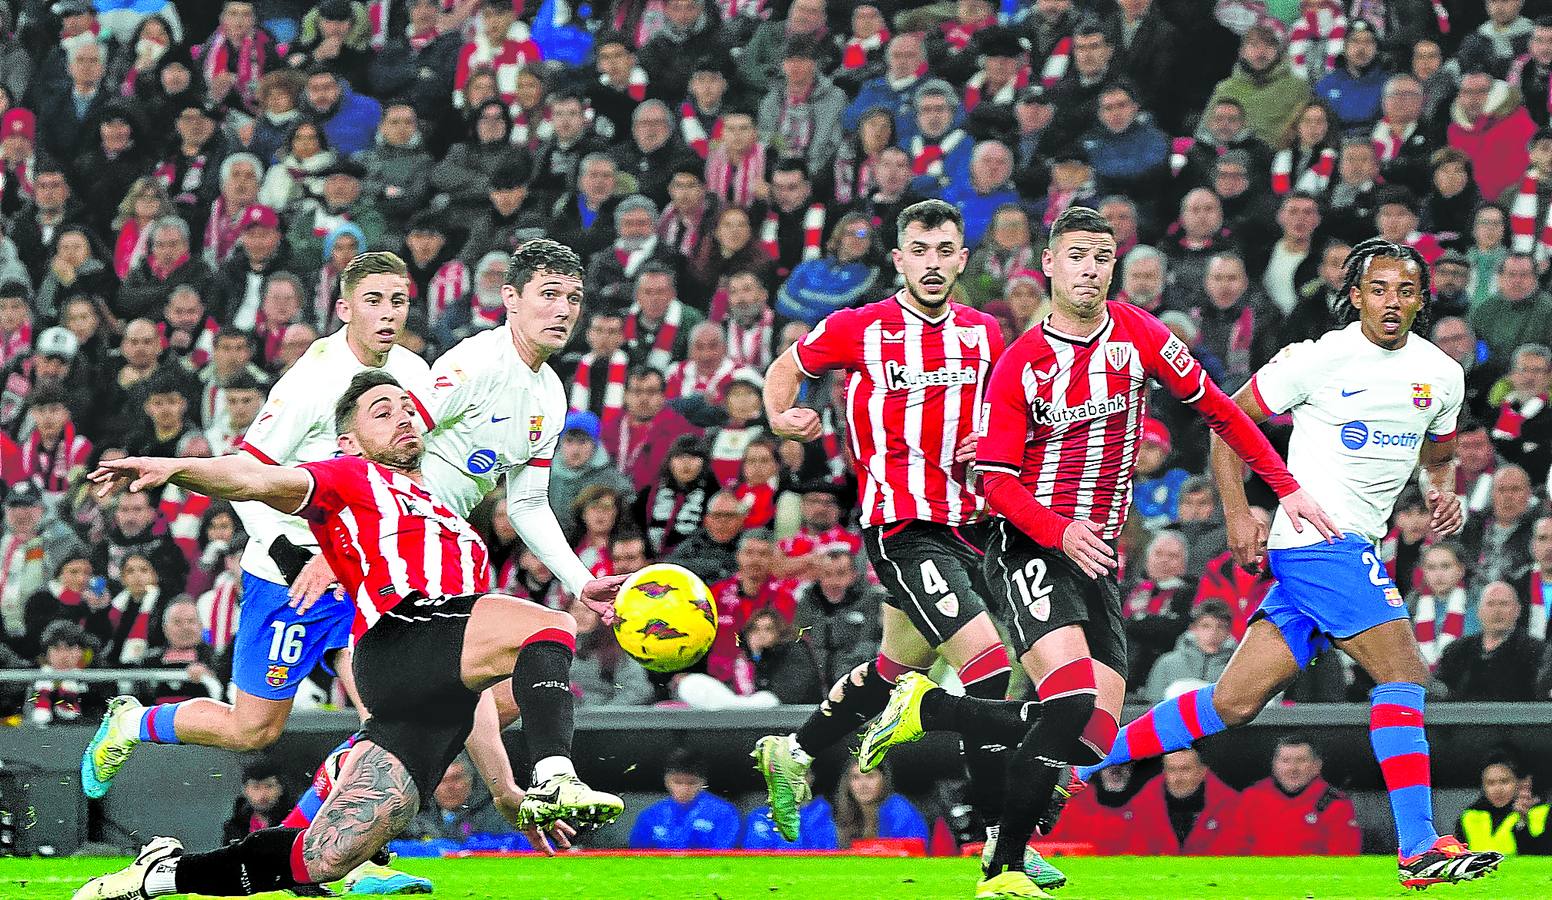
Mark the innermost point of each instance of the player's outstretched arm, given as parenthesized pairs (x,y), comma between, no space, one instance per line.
(235,477)
(528,508)
(782,381)
(1438,461)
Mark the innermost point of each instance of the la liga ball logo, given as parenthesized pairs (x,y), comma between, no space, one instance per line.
(657,590)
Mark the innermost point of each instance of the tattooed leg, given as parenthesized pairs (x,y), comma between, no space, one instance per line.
(372,802)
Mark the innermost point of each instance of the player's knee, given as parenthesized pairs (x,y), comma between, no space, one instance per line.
(256,733)
(1236,709)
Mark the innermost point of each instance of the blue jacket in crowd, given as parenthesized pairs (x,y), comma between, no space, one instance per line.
(353,127)
(1119,159)
(706,823)
(815,820)
(1354,99)
(821,286)
(976,207)
(897,818)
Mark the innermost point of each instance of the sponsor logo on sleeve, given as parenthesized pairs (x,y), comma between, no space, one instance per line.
(1178,355)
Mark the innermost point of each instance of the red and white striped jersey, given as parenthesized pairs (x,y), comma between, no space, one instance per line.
(913,392)
(389,540)
(1065,413)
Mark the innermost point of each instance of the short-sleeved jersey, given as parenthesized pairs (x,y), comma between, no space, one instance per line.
(296,425)
(914,388)
(1360,416)
(493,415)
(389,539)
(1065,413)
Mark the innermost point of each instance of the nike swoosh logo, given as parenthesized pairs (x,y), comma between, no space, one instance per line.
(499,418)
(1347,393)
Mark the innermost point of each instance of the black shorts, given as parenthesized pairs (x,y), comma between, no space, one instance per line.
(407,669)
(1039,590)
(931,572)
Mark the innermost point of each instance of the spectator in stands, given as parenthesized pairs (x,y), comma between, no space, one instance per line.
(1500,662)
(340,203)
(23,564)
(54,454)
(262,252)
(1268,92)
(1440,606)
(819,527)
(1454,336)
(166,428)
(1534,584)
(1129,153)
(187,649)
(1237,325)
(837,613)
(349,119)
(938,149)
(1353,89)
(800,117)
(136,531)
(65,113)
(1159,606)
(1157,492)
(1200,655)
(38,223)
(56,697)
(1293,259)
(739,422)
(1294,811)
(867,809)
(689,818)
(1193,238)
(1489,231)
(783,665)
(581,464)
(596,513)
(659,324)
(1222,577)
(1503,38)
(1451,275)
(1522,431)
(1498,543)
(795,221)
(1409,145)
(815,819)
(639,440)
(844,277)
(71,596)
(1102,815)
(706,371)
(397,167)
(1488,123)
(751,323)
(167,266)
(263,803)
(1507,817)
(457,812)
(1143,276)
(1188,812)
(139,606)
(987,188)
(1026,302)
(710,550)
(672,508)
(1352,204)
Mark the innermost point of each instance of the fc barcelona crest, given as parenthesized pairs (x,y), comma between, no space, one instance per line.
(1422,395)
(276,676)
(1118,354)
(535,428)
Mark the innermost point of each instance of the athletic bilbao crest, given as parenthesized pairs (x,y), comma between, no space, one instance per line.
(657,628)
(276,676)
(1422,395)
(535,428)
(1118,354)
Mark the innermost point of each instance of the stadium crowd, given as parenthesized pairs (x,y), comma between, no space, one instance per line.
(181,184)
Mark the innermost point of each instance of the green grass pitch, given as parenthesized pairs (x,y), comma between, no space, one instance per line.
(854,878)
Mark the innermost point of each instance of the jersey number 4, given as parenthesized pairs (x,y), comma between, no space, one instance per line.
(933,583)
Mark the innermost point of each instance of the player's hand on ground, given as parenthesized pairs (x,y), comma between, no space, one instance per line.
(598,595)
(316,579)
(797,424)
(1302,509)
(965,452)
(1448,516)
(559,835)
(140,473)
(1247,541)
(1083,545)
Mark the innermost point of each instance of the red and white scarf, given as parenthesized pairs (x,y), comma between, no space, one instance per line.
(186,191)
(216,57)
(813,232)
(751,346)
(856,53)
(732,182)
(1003,96)
(1314,179)
(55,698)
(136,640)
(530,127)
(614,387)
(795,124)
(1323,27)
(16,344)
(686,378)
(1434,634)
(21,173)
(853,177)
(1001,264)
(1055,66)
(694,133)
(927,159)
(221,232)
(1388,141)
(631,260)
(204,343)
(218,611)
(485,317)
(1374,11)
(1512,417)
(49,468)
(635,88)
(448,286)
(1179,153)
(182,510)
(957,35)
(661,355)
(683,236)
(1538,606)
(1523,236)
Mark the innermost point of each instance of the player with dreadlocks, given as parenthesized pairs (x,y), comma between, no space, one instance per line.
(1369,401)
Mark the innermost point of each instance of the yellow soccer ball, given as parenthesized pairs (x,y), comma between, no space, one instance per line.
(667,619)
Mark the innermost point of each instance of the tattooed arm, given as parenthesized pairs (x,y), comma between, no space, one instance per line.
(374,799)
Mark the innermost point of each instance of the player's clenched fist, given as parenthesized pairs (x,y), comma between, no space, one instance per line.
(1448,517)
(1083,545)
(1247,541)
(797,424)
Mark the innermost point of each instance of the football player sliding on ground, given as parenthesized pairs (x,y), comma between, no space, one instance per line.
(434,640)
(1066,406)
(916,366)
(1370,401)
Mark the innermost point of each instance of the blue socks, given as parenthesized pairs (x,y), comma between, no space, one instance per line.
(156,724)
(1396,732)
(1171,725)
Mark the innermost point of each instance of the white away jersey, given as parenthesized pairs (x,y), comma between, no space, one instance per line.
(493,415)
(296,425)
(1360,416)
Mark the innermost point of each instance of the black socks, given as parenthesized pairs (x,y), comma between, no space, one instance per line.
(541,684)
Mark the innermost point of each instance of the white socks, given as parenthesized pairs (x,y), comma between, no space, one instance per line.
(551,767)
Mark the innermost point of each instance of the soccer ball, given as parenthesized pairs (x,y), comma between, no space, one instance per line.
(667,618)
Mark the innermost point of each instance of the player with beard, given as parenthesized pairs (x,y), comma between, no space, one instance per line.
(434,639)
(916,366)
(1065,410)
